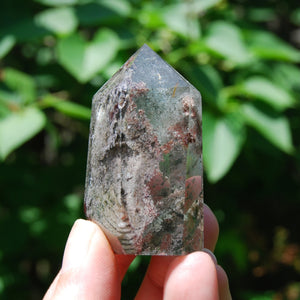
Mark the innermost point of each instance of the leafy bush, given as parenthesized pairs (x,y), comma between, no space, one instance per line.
(55,54)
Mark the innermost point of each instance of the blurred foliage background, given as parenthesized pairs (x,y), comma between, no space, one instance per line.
(243,55)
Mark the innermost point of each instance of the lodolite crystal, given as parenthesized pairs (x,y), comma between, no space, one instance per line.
(144,171)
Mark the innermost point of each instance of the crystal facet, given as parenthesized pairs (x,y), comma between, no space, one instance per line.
(144,171)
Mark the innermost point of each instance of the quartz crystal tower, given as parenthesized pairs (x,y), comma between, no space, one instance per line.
(144,171)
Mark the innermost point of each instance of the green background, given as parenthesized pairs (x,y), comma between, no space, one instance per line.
(244,58)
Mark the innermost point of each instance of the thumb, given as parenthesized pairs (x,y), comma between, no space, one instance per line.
(89,269)
(192,277)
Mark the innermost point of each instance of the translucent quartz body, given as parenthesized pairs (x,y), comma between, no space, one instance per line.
(144,171)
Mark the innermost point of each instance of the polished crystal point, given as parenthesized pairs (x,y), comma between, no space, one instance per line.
(144,171)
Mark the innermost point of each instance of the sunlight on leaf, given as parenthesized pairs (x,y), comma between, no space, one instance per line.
(226,40)
(58,20)
(203,5)
(265,90)
(267,45)
(207,80)
(276,130)
(222,142)
(85,59)
(6,44)
(287,76)
(68,108)
(22,83)
(178,18)
(18,128)
(57,2)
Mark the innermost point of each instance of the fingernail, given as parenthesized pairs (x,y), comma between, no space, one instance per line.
(78,244)
(211,254)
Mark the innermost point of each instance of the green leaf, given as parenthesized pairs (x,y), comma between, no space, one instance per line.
(111,69)
(93,14)
(24,29)
(4,110)
(226,40)
(203,5)
(121,7)
(178,18)
(151,16)
(222,142)
(68,108)
(265,90)
(61,20)
(10,98)
(266,45)
(58,2)
(17,128)
(207,80)
(135,264)
(85,59)
(275,129)
(22,83)
(287,76)
(6,44)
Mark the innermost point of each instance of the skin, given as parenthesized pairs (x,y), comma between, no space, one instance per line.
(90,269)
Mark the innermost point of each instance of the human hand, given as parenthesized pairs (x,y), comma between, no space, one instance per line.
(90,269)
